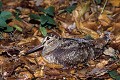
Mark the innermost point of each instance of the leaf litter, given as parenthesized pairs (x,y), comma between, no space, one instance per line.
(89,17)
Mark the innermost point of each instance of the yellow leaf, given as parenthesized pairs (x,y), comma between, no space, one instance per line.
(115,2)
(104,19)
(86,30)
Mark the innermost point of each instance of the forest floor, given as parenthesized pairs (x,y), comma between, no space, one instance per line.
(24,24)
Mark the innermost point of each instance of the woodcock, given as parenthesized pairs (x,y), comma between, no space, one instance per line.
(67,51)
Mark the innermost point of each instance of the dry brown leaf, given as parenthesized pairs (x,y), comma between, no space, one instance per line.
(16,22)
(116,29)
(32,60)
(77,14)
(53,72)
(86,22)
(115,2)
(14,4)
(28,40)
(85,30)
(54,65)
(24,25)
(91,25)
(63,30)
(50,2)
(92,63)
(80,10)
(109,79)
(25,75)
(2,58)
(118,70)
(116,45)
(116,10)
(39,72)
(67,28)
(82,73)
(25,11)
(102,64)
(104,19)
(65,24)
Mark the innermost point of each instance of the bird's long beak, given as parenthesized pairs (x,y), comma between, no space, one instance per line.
(34,49)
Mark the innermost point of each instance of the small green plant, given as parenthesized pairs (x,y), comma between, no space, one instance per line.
(114,75)
(16,14)
(4,16)
(0,4)
(68,9)
(46,19)
(98,1)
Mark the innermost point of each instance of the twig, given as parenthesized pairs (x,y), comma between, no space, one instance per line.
(104,6)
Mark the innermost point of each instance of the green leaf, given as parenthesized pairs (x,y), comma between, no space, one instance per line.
(18,28)
(18,18)
(41,9)
(0,4)
(5,15)
(51,20)
(98,1)
(17,13)
(114,75)
(9,29)
(43,31)
(50,11)
(3,23)
(49,26)
(70,8)
(43,19)
(34,16)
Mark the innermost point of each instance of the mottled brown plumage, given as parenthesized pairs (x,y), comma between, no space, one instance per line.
(68,51)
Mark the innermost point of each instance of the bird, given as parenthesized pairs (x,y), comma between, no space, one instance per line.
(71,51)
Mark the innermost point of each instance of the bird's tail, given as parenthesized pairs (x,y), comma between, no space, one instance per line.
(106,36)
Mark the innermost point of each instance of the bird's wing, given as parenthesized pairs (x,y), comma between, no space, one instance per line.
(69,52)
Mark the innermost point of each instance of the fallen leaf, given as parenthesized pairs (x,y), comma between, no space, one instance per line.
(25,75)
(102,64)
(40,72)
(110,52)
(104,19)
(115,2)
(88,31)
(53,72)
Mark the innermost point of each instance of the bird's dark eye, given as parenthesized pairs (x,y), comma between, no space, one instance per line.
(47,38)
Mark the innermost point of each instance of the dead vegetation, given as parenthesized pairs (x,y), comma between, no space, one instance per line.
(24,23)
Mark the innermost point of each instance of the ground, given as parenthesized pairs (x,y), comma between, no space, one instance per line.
(25,23)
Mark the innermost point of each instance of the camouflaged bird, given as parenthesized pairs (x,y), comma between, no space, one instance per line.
(67,51)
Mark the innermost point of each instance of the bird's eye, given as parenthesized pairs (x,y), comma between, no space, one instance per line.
(48,38)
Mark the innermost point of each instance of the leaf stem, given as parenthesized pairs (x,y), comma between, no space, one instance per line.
(104,6)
